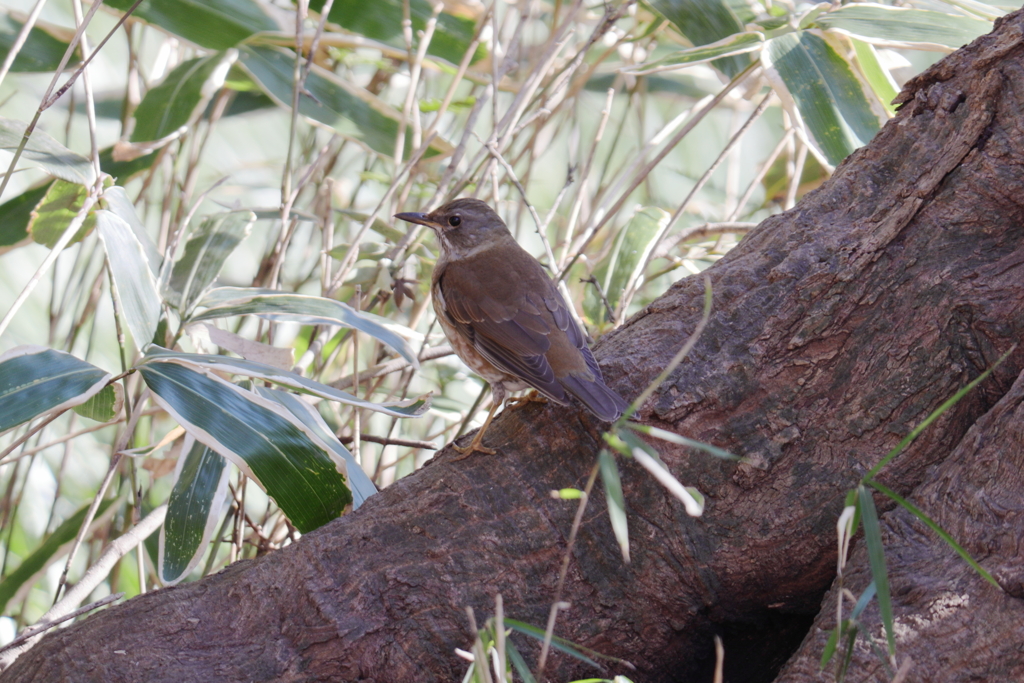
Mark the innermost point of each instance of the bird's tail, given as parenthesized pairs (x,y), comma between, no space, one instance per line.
(602,401)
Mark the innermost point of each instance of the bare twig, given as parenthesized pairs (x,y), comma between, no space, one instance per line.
(117,549)
(41,626)
(19,41)
(631,287)
(557,604)
(605,216)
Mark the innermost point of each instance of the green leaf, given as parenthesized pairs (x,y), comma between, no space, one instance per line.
(248,368)
(827,95)
(258,436)
(518,662)
(348,110)
(648,458)
(876,558)
(628,254)
(382,20)
(55,212)
(204,256)
(115,200)
(584,654)
(41,52)
(360,484)
(213,24)
(903,27)
(302,308)
(704,22)
(15,216)
(181,97)
(133,278)
(830,647)
(123,171)
(672,437)
(934,415)
(36,380)
(943,534)
(875,74)
(103,406)
(55,545)
(616,501)
(193,510)
(736,44)
(44,152)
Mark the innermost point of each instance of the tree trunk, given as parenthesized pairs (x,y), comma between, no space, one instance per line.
(837,328)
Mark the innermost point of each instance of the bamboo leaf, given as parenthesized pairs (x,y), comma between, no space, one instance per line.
(240,366)
(36,380)
(283,358)
(904,27)
(382,20)
(730,46)
(934,415)
(44,152)
(115,200)
(218,235)
(15,216)
(104,405)
(704,22)
(819,86)
(942,533)
(41,52)
(648,458)
(629,253)
(193,510)
(259,436)
(672,437)
(176,102)
(303,308)
(877,76)
(133,278)
(213,24)
(876,558)
(344,108)
(55,211)
(360,484)
(584,654)
(616,501)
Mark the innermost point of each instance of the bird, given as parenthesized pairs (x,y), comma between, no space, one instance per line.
(505,318)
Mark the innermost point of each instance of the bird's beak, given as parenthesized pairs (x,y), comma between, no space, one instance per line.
(421,218)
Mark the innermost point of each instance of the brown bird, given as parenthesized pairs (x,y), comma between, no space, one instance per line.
(505,318)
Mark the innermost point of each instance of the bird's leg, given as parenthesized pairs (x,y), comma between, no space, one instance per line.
(477,443)
(497,398)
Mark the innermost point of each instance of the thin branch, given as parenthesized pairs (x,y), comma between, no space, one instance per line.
(41,626)
(117,549)
(19,41)
(632,286)
(605,216)
(557,603)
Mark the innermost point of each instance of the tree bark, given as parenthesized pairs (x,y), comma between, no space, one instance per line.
(837,327)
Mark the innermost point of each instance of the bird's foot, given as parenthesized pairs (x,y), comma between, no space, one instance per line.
(533,396)
(475,445)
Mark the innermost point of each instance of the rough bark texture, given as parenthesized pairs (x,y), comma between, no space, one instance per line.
(838,326)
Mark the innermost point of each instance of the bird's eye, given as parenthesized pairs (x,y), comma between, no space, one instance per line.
(454,221)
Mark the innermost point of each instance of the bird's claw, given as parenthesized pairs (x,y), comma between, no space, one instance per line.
(533,396)
(475,445)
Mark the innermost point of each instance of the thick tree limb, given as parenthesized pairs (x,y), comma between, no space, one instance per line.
(838,326)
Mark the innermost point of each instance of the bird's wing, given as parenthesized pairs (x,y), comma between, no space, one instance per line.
(507,327)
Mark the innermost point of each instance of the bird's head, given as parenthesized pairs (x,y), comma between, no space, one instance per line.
(462,226)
